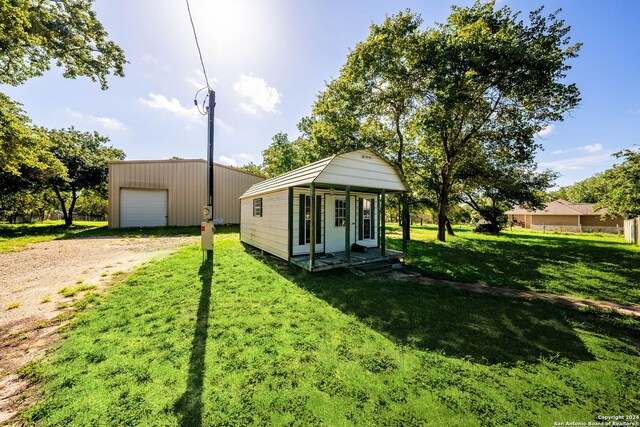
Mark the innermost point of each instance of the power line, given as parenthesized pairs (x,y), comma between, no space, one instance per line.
(195,35)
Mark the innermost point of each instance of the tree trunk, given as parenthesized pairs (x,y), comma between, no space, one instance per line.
(442,219)
(447,223)
(443,203)
(68,221)
(63,206)
(406,218)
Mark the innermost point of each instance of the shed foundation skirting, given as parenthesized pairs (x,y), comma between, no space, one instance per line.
(577,229)
(339,259)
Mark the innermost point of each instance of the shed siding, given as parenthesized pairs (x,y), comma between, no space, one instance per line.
(270,231)
(361,169)
(186,185)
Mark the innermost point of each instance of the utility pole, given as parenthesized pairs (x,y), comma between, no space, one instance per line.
(207,228)
(211,110)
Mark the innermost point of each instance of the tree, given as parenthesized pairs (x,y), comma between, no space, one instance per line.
(373,100)
(85,157)
(28,204)
(478,86)
(24,149)
(492,82)
(501,186)
(253,168)
(590,190)
(35,33)
(93,203)
(281,156)
(623,197)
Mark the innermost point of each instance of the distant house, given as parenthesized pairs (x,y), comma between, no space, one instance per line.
(312,216)
(562,215)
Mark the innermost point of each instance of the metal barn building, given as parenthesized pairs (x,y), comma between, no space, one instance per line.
(313,216)
(152,193)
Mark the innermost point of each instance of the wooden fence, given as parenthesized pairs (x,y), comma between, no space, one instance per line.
(632,230)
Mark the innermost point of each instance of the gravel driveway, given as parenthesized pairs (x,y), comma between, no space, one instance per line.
(32,279)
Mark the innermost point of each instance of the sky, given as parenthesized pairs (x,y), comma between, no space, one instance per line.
(268,60)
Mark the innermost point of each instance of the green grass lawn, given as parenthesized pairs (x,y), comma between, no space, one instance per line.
(595,266)
(261,343)
(15,237)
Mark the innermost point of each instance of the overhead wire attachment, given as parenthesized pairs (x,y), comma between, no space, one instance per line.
(195,35)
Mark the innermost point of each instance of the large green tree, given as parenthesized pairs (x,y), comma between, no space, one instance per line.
(493,81)
(37,33)
(623,197)
(281,156)
(85,156)
(497,186)
(590,190)
(34,34)
(373,101)
(25,156)
(478,86)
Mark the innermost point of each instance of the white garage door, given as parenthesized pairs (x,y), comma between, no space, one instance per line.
(143,208)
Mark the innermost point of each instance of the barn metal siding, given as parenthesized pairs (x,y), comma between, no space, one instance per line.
(186,185)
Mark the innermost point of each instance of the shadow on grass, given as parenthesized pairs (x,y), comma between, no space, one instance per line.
(87,230)
(190,405)
(600,270)
(147,232)
(488,329)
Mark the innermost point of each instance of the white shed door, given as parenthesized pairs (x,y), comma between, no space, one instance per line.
(143,208)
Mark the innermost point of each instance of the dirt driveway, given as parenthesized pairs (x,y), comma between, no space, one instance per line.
(30,284)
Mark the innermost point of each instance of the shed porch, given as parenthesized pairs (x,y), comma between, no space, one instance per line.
(333,260)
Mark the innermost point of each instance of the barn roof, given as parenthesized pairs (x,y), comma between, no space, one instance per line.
(359,169)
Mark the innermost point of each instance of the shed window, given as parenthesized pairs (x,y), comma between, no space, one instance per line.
(341,210)
(257,207)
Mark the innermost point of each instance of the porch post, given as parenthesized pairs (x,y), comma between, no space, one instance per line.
(406,225)
(347,224)
(312,232)
(290,224)
(382,224)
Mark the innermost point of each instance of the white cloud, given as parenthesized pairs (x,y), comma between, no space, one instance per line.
(257,94)
(577,163)
(547,130)
(173,106)
(109,123)
(227,161)
(592,148)
(236,159)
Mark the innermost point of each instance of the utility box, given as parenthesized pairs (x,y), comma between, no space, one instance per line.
(206,236)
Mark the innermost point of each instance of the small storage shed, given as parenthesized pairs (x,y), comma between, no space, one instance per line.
(313,215)
(148,193)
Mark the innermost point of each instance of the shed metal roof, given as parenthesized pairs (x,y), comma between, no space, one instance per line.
(313,172)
